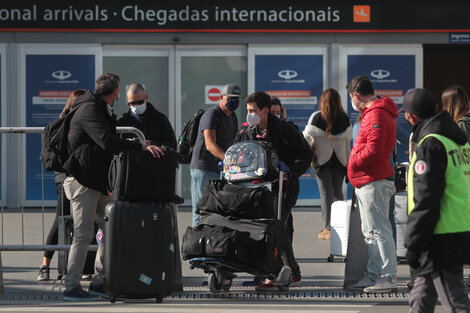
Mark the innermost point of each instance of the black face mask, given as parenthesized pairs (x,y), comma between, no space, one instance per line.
(232,103)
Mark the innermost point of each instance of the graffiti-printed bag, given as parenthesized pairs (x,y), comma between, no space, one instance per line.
(250,161)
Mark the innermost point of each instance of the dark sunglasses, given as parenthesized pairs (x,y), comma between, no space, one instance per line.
(138,102)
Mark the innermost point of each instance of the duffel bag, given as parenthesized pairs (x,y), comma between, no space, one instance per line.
(215,241)
(137,175)
(236,201)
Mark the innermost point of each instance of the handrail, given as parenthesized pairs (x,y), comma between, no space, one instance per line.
(40,130)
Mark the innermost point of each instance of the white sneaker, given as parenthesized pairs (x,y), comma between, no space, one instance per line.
(383,285)
(365,282)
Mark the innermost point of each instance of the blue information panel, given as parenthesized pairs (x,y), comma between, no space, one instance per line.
(49,81)
(392,76)
(297,80)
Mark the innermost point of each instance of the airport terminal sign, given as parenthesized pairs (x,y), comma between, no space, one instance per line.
(233,16)
(49,81)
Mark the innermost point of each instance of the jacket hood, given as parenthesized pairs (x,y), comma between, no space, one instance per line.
(312,130)
(88,96)
(385,104)
(442,124)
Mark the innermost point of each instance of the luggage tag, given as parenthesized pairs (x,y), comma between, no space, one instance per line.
(145,279)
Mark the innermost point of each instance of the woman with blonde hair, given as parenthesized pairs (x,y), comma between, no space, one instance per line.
(329,132)
(455,101)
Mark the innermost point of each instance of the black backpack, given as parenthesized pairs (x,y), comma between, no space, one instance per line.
(55,145)
(188,138)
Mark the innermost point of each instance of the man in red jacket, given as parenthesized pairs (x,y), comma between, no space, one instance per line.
(370,172)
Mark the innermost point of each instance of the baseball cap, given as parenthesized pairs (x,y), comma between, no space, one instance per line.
(419,101)
(231,90)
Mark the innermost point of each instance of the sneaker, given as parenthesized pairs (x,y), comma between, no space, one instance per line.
(383,285)
(267,285)
(324,234)
(87,277)
(365,282)
(43,273)
(295,280)
(98,290)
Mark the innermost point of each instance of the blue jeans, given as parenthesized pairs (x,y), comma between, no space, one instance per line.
(374,202)
(199,180)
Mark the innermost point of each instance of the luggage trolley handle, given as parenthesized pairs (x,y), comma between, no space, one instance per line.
(283,171)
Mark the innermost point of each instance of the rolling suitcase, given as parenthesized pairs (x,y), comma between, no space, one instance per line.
(339,221)
(140,250)
(65,237)
(401,219)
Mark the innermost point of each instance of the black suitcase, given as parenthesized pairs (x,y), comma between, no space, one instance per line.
(65,237)
(137,175)
(140,256)
(236,200)
(267,240)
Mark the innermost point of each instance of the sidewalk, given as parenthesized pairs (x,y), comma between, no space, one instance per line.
(321,281)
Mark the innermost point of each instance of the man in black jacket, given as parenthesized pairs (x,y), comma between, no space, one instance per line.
(93,141)
(438,231)
(292,149)
(143,115)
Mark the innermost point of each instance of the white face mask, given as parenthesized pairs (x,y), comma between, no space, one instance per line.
(253,119)
(355,107)
(139,108)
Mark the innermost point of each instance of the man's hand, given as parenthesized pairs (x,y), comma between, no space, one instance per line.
(412,258)
(157,152)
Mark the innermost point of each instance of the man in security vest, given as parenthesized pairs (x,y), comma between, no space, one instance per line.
(438,232)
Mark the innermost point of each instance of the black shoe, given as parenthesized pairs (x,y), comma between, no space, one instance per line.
(78,294)
(43,273)
(98,290)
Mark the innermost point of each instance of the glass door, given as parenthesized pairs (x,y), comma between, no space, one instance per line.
(200,74)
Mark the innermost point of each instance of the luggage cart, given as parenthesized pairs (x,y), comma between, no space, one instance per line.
(222,272)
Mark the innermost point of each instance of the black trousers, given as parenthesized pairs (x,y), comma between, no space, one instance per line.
(447,284)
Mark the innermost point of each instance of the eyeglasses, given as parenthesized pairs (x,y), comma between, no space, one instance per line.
(138,102)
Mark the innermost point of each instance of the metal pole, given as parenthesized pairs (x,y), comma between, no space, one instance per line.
(41,247)
(279,195)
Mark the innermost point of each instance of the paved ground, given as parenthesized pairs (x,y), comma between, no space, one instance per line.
(320,290)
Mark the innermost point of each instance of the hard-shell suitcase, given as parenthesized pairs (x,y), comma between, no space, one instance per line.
(250,160)
(267,239)
(137,175)
(401,219)
(140,250)
(339,221)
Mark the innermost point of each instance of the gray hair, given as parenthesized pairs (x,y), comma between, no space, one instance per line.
(105,84)
(135,88)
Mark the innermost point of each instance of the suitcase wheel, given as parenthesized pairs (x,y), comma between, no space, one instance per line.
(331,258)
(112,299)
(216,281)
(158,299)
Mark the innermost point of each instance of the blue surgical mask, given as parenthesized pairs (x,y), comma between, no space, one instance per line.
(232,103)
(116,101)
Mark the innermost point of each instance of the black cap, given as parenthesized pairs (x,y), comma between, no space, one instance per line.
(419,101)
(231,90)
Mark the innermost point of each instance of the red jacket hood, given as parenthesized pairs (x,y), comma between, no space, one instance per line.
(385,104)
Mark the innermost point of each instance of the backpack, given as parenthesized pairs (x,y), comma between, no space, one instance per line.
(55,144)
(188,138)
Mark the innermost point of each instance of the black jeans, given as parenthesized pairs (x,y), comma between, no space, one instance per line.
(63,208)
